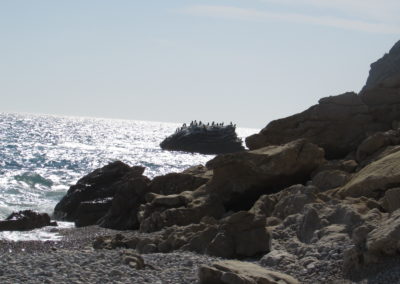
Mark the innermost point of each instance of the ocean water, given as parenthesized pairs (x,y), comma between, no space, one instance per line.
(42,155)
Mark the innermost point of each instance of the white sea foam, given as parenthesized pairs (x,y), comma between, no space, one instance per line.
(43,234)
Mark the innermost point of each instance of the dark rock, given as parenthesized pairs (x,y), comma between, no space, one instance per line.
(384,69)
(204,139)
(94,191)
(376,142)
(25,220)
(242,178)
(130,194)
(338,124)
(188,180)
(89,212)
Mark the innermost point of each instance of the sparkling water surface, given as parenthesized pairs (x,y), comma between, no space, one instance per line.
(42,155)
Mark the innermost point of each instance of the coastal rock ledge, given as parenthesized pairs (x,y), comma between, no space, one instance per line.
(204,139)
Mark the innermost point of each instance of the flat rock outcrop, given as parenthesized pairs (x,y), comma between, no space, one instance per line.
(204,139)
(233,271)
(25,220)
(337,124)
(375,178)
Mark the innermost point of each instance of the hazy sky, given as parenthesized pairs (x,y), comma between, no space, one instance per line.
(246,61)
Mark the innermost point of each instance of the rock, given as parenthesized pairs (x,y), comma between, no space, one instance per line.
(97,185)
(374,179)
(246,232)
(293,199)
(204,139)
(385,71)
(265,205)
(276,258)
(238,272)
(310,223)
(329,179)
(25,220)
(391,200)
(174,183)
(243,177)
(343,165)
(89,212)
(384,240)
(240,235)
(376,142)
(239,179)
(337,124)
(191,207)
(133,259)
(130,194)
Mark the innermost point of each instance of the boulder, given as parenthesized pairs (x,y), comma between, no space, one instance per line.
(329,179)
(174,183)
(133,260)
(384,240)
(374,179)
(89,212)
(130,194)
(310,223)
(246,232)
(204,139)
(391,200)
(376,142)
(337,124)
(243,177)
(276,258)
(239,272)
(292,200)
(91,194)
(25,220)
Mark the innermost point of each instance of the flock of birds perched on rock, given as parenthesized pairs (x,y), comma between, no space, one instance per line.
(200,125)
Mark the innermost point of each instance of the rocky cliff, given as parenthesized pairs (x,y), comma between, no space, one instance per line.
(317,196)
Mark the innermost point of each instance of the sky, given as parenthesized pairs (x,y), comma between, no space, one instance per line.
(245,61)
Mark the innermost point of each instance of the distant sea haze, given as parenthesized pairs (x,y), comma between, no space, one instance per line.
(41,156)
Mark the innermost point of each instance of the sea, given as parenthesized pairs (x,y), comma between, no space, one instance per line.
(41,156)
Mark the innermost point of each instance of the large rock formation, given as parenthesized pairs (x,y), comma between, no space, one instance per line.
(204,139)
(386,70)
(112,195)
(91,198)
(339,123)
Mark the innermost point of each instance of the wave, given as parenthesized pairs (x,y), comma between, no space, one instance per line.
(32,179)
